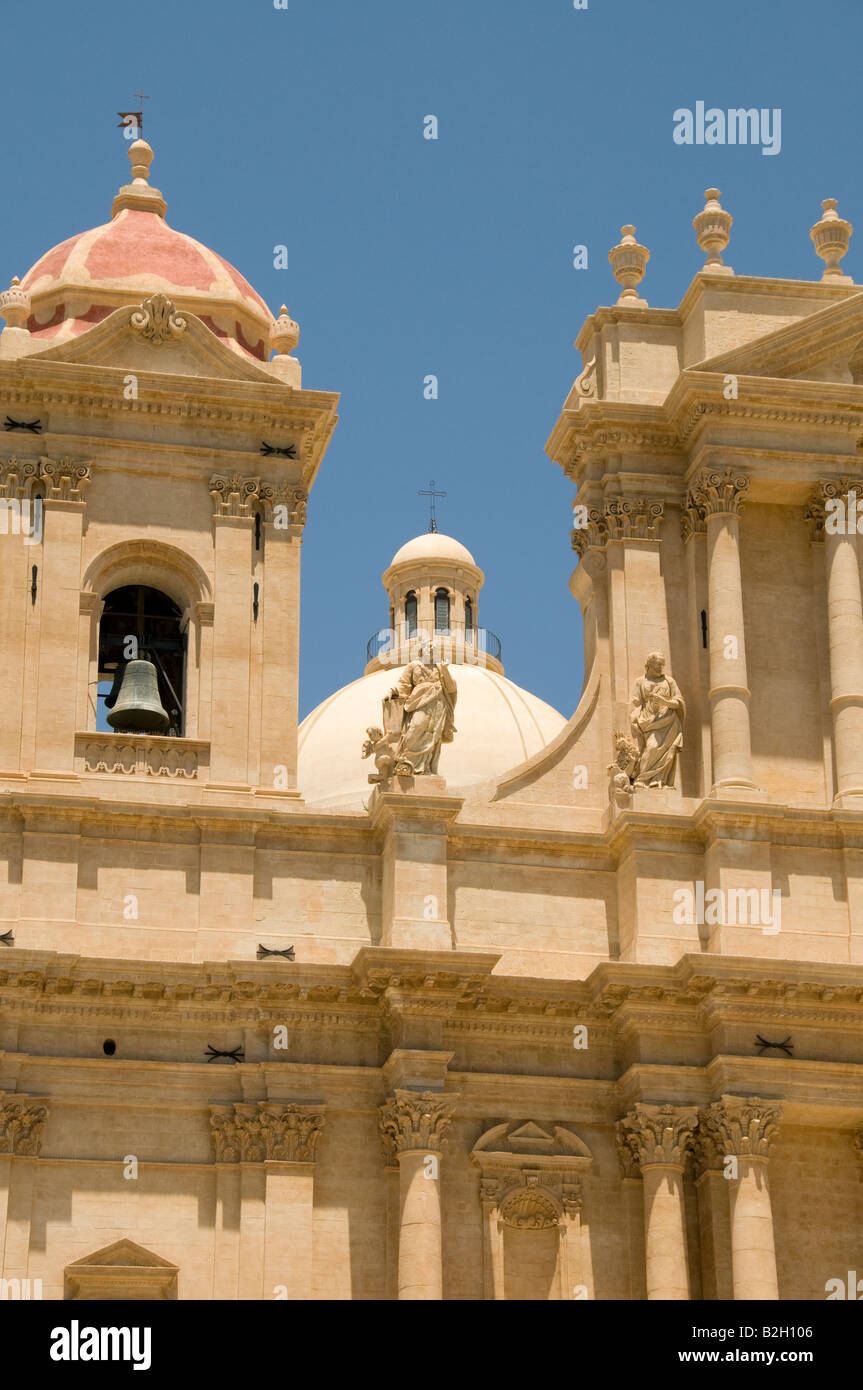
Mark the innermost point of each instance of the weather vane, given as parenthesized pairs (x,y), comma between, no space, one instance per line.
(136,116)
(430,492)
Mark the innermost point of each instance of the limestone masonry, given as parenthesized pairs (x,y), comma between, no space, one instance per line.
(440,995)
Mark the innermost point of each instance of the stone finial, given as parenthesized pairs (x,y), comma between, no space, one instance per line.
(712,229)
(140,157)
(831,237)
(139,194)
(15,305)
(284,333)
(628,260)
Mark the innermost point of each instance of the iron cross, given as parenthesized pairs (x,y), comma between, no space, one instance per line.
(430,492)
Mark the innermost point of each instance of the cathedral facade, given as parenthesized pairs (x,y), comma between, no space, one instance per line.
(440,994)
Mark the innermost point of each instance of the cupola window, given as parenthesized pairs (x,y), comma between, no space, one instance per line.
(411,613)
(441,610)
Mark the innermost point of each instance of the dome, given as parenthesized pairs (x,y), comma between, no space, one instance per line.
(498,726)
(81,281)
(433,546)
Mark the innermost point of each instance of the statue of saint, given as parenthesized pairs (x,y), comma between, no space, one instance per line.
(427,693)
(658,712)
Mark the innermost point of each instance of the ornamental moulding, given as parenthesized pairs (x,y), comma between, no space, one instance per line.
(22,1120)
(157,320)
(61,480)
(618,519)
(265,1132)
(412,1120)
(531,1173)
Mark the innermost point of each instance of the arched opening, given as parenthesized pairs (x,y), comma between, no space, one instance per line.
(410,613)
(441,610)
(142,622)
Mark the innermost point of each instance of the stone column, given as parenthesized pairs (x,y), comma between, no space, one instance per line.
(492,1236)
(22,1121)
(274,1146)
(280,623)
(658,1136)
(233,521)
(633,1197)
(52,723)
(844,635)
(743,1128)
(718,495)
(711,1188)
(412,1125)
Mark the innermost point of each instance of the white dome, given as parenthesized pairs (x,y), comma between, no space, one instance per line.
(433,546)
(498,726)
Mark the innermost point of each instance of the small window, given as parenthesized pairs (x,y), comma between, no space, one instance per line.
(468,617)
(411,613)
(441,610)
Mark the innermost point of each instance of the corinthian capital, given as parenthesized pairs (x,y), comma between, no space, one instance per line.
(655,1134)
(268,1130)
(837,489)
(719,492)
(233,496)
(21,1123)
(742,1125)
(414,1120)
(634,518)
(285,505)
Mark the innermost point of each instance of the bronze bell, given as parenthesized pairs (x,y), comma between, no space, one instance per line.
(137,708)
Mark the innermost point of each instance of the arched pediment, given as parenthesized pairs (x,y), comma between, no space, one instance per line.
(525,1140)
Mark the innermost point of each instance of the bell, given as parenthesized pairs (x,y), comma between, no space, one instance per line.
(137,708)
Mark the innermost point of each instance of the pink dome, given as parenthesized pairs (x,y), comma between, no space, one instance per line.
(136,254)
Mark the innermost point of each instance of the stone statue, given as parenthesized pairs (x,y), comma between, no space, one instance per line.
(383,747)
(625,765)
(427,693)
(658,712)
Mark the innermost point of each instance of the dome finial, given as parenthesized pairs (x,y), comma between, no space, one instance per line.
(712,229)
(831,236)
(628,260)
(138,194)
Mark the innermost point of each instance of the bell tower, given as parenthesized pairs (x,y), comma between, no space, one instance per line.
(154,478)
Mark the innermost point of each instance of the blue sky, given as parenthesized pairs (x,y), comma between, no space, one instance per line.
(454,257)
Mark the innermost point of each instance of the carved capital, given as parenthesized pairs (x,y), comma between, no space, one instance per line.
(627,1150)
(157,320)
(634,519)
(591,529)
(18,477)
(707,1157)
(21,1123)
(268,1130)
(720,492)
(60,480)
(692,518)
(64,480)
(285,506)
(742,1125)
(658,1134)
(234,496)
(815,516)
(414,1120)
